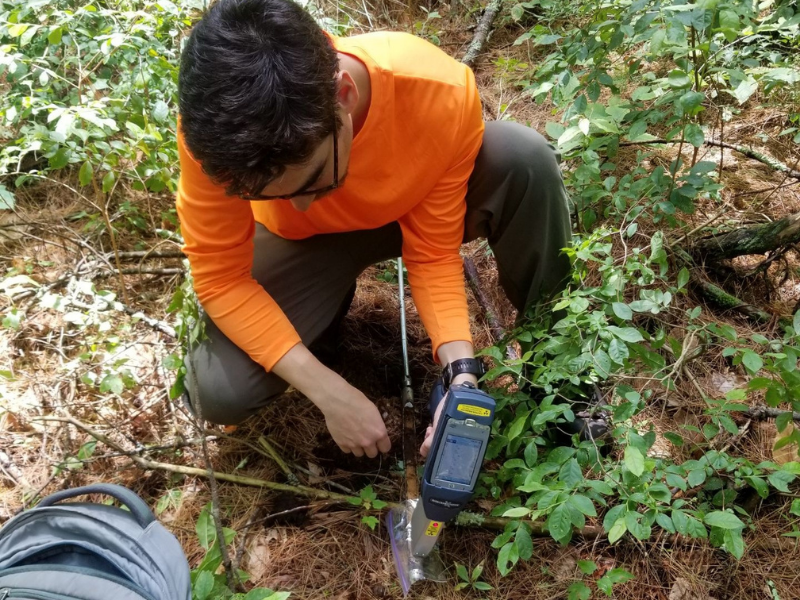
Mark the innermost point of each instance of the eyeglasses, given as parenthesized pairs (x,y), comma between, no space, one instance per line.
(315,192)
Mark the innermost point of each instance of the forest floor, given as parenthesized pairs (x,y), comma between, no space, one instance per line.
(54,358)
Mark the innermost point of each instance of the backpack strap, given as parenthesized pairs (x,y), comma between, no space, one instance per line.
(127,498)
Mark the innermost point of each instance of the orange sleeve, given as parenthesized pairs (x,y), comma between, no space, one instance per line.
(432,235)
(218,235)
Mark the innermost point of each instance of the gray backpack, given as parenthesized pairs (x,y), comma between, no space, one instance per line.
(84,551)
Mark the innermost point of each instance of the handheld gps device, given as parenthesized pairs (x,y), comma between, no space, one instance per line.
(454,462)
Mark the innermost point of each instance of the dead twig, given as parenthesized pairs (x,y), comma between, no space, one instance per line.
(482,32)
(291,477)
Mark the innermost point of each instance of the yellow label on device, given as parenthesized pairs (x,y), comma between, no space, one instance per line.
(433,528)
(474,410)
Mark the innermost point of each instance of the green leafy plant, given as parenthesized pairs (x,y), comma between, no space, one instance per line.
(207,584)
(471,579)
(368,500)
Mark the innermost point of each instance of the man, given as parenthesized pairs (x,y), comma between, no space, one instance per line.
(305,158)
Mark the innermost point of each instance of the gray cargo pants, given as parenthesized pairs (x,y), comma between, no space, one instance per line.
(516,200)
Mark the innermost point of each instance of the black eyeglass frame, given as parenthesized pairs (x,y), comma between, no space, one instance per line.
(315,192)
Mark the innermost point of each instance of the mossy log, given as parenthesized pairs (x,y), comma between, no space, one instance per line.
(756,239)
(720,297)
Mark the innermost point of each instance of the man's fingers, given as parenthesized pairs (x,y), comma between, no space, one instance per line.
(384,444)
(357,451)
(371,450)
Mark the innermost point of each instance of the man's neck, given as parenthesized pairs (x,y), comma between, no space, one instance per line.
(358,71)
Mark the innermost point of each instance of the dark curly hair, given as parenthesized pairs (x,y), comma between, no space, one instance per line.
(257,91)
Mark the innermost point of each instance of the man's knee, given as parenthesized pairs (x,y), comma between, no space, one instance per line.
(227,399)
(522,153)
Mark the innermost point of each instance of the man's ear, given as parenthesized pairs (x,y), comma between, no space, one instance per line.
(346,91)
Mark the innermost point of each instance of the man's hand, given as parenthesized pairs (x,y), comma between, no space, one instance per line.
(353,421)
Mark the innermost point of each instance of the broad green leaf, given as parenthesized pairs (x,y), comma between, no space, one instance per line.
(634,460)
(679,79)
(206,533)
(60,159)
(517,512)
(531,454)
(108,181)
(602,363)
(578,591)
(759,485)
(203,585)
(583,504)
(746,88)
(697,477)
(694,135)
(612,578)
(477,571)
(618,351)
(160,111)
(681,521)
(683,277)
(734,543)
(8,201)
(570,473)
(695,528)
(623,311)
(559,522)
(587,567)
(507,558)
(780,480)
(617,530)
(85,174)
(628,334)
(524,543)
(482,586)
(54,37)
(752,362)
(112,383)
(266,594)
(518,426)
(723,520)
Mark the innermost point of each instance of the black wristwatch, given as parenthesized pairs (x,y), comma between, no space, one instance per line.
(472,366)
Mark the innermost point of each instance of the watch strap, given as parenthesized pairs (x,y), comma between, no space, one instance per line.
(472,366)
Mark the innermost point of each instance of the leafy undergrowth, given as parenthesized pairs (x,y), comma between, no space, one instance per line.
(693,496)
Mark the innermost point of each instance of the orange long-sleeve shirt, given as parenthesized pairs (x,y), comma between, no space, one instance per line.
(409,163)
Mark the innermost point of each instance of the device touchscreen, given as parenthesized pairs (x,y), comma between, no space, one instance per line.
(459,459)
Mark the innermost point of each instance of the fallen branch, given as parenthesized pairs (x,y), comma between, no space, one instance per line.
(482,32)
(748,152)
(465,519)
(145,254)
(762,413)
(756,239)
(489,310)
